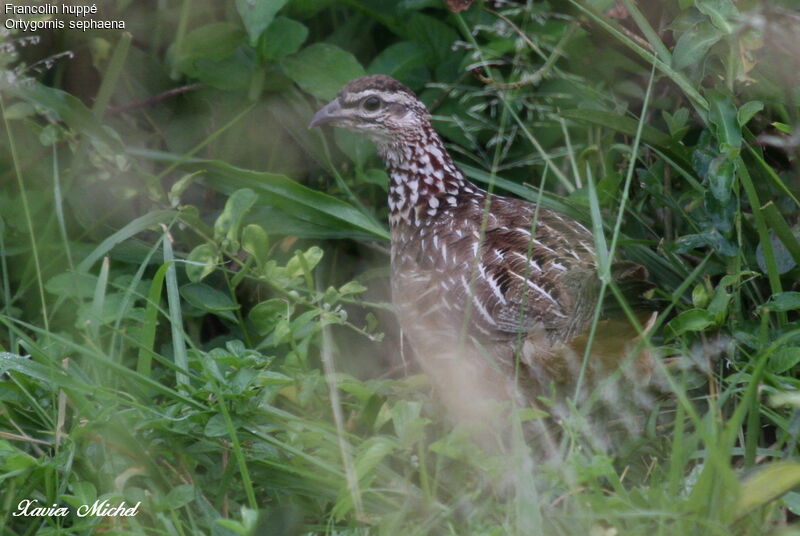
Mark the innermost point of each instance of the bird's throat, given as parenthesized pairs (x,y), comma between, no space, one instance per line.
(423,180)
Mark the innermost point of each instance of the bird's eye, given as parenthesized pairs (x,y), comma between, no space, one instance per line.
(371,104)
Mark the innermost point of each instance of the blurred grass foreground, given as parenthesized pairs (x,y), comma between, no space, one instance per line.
(194,319)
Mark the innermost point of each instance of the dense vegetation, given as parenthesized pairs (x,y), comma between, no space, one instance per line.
(194,285)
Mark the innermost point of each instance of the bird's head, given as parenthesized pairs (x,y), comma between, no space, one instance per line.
(378,106)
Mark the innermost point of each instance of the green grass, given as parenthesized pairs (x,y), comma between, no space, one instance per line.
(194,306)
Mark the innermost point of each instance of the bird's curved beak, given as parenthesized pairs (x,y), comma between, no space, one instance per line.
(327,114)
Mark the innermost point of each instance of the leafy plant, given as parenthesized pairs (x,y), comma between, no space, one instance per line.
(194,311)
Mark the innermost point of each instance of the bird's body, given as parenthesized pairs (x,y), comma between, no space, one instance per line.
(490,290)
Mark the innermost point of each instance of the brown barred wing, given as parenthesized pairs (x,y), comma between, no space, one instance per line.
(538,275)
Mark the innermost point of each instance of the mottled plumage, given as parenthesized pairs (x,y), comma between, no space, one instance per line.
(511,279)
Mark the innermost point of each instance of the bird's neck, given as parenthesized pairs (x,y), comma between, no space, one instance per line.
(423,180)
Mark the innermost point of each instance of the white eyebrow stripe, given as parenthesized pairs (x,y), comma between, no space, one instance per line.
(352,98)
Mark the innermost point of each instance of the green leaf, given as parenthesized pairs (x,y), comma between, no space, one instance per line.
(266,314)
(720,176)
(179,496)
(677,122)
(784,259)
(136,226)
(27,366)
(202,261)
(765,484)
(721,12)
(352,287)
(747,111)
(234,72)
(694,43)
(69,109)
(294,199)
(207,298)
(213,54)
(180,186)
(433,34)
(216,426)
(691,320)
(782,127)
(283,37)
(784,359)
(257,15)
(785,240)
(311,257)
(226,228)
(72,285)
(620,123)
(404,60)
(256,243)
(214,41)
(372,452)
(784,301)
(407,422)
(354,145)
(722,115)
(322,69)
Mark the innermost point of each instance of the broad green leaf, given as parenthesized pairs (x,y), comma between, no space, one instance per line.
(785,301)
(283,37)
(202,261)
(179,496)
(257,15)
(436,36)
(700,297)
(765,484)
(354,145)
(19,110)
(72,285)
(620,123)
(69,109)
(407,422)
(322,69)
(33,369)
(783,127)
(216,426)
(784,359)
(792,501)
(256,243)
(266,314)
(691,320)
(721,12)
(785,240)
(372,452)
(293,198)
(226,228)
(180,186)
(722,115)
(694,43)
(747,111)
(234,72)
(677,122)
(214,41)
(720,176)
(311,257)
(207,298)
(784,259)
(212,55)
(405,61)
(352,287)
